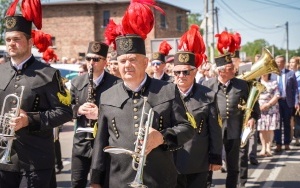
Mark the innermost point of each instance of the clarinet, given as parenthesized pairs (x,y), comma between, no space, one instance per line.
(91,99)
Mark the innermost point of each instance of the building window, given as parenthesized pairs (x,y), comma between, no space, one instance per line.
(163,23)
(179,23)
(106,16)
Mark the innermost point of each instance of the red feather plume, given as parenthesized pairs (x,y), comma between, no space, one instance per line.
(139,18)
(111,32)
(41,40)
(192,41)
(228,42)
(31,11)
(164,48)
(50,55)
(237,40)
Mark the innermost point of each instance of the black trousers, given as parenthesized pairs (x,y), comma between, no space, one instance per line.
(244,164)
(58,160)
(232,150)
(33,179)
(197,180)
(80,170)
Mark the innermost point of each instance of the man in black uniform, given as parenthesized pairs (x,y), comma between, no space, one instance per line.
(158,62)
(86,112)
(204,151)
(45,104)
(231,92)
(120,115)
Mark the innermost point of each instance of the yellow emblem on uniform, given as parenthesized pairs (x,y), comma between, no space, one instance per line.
(95,130)
(96,47)
(10,22)
(192,120)
(64,98)
(183,58)
(220,120)
(126,44)
(155,55)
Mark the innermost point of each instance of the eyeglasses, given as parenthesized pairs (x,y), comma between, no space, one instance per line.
(184,72)
(156,63)
(95,59)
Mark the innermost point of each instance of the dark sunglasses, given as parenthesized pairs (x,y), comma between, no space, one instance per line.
(155,63)
(184,72)
(95,59)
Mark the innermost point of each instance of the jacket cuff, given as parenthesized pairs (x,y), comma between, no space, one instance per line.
(215,159)
(34,121)
(97,177)
(170,140)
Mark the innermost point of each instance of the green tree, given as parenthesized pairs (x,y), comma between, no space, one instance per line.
(3,7)
(195,18)
(253,48)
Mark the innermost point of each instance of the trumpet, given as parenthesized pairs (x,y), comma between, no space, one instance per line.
(8,133)
(138,155)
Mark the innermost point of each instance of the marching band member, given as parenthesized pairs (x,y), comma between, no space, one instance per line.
(88,86)
(121,112)
(203,152)
(44,103)
(158,62)
(231,92)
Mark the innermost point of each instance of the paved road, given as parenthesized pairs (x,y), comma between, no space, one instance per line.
(280,171)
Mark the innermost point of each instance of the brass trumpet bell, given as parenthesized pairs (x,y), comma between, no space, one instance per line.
(265,65)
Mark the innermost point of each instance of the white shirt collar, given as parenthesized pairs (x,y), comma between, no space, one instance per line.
(19,67)
(140,86)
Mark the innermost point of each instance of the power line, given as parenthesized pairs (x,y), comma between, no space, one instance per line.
(276,4)
(239,16)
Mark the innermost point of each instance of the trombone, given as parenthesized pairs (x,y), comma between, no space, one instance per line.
(138,155)
(8,132)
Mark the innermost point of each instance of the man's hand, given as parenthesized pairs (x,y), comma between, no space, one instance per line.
(214,167)
(90,110)
(251,123)
(155,138)
(95,186)
(20,121)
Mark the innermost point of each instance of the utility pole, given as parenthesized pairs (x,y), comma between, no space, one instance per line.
(212,34)
(206,25)
(287,41)
(217,18)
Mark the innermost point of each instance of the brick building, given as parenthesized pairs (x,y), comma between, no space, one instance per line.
(74,23)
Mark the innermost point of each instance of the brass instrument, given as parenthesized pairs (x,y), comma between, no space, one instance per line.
(265,65)
(8,132)
(89,129)
(256,89)
(138,155)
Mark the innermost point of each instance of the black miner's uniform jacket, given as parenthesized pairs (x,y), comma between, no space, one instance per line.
(119,122)
(47,105)
(79,96)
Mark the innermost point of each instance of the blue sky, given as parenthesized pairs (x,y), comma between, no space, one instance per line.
(255,19)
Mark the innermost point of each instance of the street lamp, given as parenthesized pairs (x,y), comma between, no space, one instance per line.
(287,39)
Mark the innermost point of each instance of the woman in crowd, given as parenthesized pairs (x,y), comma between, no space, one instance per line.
(269,120)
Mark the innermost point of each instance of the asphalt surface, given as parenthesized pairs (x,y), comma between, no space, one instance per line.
(282,170)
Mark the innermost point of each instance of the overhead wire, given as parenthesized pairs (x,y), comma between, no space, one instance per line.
(276,4)
(240,17)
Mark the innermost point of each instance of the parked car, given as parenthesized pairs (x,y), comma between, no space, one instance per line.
(68,71)
(34,51)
